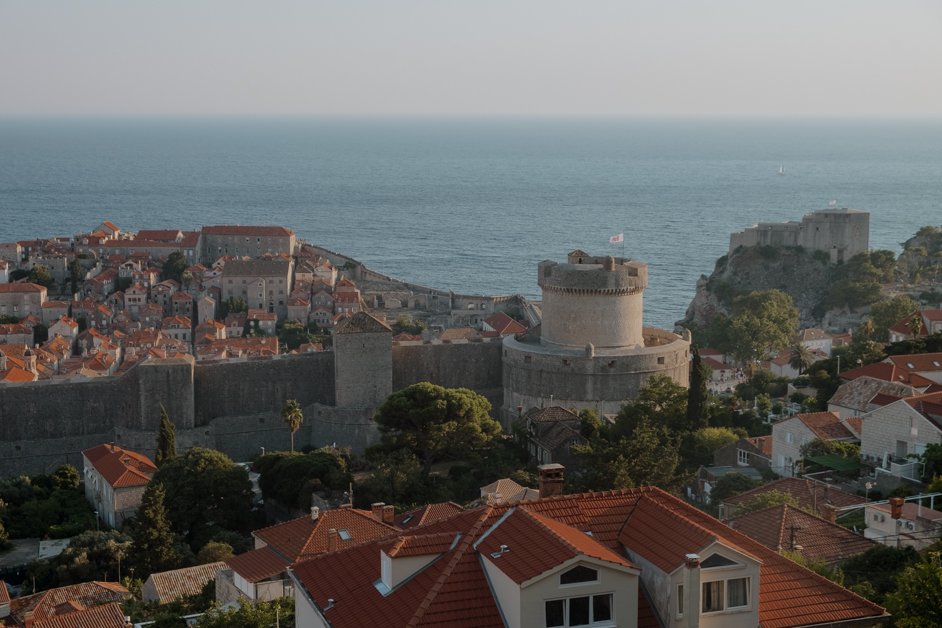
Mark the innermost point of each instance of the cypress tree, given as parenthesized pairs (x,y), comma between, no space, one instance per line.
(696,394)
(153,545)
(166,439)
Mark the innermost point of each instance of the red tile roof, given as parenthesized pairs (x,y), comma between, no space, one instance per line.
(306,537)
(11,288)
(177,583)
(247,230)
(43,605)
(430,513)
(504,325)
(4,594)
(807,493)
(104,616)
(783,527)
(423,544)
(452,589)
(259,564)
(825,425)
(121,467)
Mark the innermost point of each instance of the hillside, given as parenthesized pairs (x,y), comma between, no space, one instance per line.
(831,296)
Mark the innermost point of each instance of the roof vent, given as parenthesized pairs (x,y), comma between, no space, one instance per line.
(315,513)
(503,550)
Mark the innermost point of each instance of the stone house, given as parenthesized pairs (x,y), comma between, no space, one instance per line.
(264,284)
(897,432)
(53,310)
(83,605)
(4,271)
(865,394)
(816,340)
(22,299)
(205,309)
(163,292)
(791,434)
(755,452)
(135,297)
(299,308)
(266,321)
(115,480)
(64,327)
(251,241)
(16,334)
(178,327)
(181,304)
(552,432)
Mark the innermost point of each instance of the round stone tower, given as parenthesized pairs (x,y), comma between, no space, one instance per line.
(591,349)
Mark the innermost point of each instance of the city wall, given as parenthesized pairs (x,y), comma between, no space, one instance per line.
(474,365)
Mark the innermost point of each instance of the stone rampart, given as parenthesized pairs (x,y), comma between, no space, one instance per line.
(474,365)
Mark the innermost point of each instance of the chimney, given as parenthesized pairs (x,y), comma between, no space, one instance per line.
(377,510)
(3,361)
(896,507)
(551,479)
(829,512)
(28,619)
(389,514)
(315,513)
(331,540)
(692,589)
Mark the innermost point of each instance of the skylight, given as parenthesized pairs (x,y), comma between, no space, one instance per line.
(344,534)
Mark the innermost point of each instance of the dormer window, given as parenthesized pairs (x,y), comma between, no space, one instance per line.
(579,575)
(586,610)
(725,595)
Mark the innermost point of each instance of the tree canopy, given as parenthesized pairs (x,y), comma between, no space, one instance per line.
(661,402)
(204,490)
(917,601)
(154,546)
(173,267)
(290,478)
(166,439)
(40,275)
(888,312)
(762,322)
(436,422)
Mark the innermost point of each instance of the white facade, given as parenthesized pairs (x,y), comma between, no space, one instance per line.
(893,433)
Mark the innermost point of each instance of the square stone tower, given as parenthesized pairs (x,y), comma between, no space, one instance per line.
(362,362)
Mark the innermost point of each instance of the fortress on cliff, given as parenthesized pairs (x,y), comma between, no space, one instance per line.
(841,233)
(591,350)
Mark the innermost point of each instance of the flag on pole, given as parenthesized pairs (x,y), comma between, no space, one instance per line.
(618,238)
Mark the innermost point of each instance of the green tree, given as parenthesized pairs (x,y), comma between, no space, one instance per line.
(91,555)
(248,615)
(915,325)
(4,537)
(293,334)
(662,402)
(436,423)
(932,461)
(213,552)
(154,546)
(75,274)
(697,393)
(698,447)
(762,322)
(173,267)
(800,358)
(889,312)
(646,456)
(40,275)
(766,500)
(293,417)
(205,491)
(166,439)
(879,567)
(917,601)
(290,478)
(66,477)
(730,485)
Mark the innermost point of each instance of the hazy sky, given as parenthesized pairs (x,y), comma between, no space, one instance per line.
(477,57)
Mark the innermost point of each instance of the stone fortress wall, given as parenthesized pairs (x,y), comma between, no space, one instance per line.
(841,233)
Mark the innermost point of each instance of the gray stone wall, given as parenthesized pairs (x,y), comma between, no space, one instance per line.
(474,365)
(363,369)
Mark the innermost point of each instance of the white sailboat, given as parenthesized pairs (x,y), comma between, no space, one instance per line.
(781,170)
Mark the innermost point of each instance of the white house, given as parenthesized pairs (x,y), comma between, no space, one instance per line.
(917,526)
(791,434)
(894,432)
(115,480)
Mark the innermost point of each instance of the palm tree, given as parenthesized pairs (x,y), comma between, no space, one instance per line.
(915,325)
(293,417)
(801,358)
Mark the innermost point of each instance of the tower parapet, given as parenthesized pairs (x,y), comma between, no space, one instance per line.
(597,300)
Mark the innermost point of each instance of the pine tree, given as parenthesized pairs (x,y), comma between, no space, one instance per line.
(166,439)
(696,394)
(153,543)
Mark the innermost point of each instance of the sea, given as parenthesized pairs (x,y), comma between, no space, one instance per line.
(473,204)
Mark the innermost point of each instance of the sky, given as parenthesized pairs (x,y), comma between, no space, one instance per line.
(471,58)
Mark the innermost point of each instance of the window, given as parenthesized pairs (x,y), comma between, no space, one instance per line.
(578,575)
(789,438)
(587,610)
(680,600)
(720,595)
(742,457)
(344,534)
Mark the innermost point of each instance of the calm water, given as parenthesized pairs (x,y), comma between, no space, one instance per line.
(473,205)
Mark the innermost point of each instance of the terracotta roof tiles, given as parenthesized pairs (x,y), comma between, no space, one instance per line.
(258,564)
(305,536)
(89,594)
(105,616)
(177,583)
(430,513)
(121,467)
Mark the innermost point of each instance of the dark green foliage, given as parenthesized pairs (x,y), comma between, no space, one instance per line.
(204,489)
(730,485)
(260,615)
(926,344)
(167,615)
(436,423)
(4,537)
(819,447)
(932,459)
(232,306)
(697,393)
(917,601)
(762,322)
(647,455)
(166,439)
(290,478)
(174,267)
(293,334)
(697,448)
(662,402)
(889,312)
(45,506)
(879,566)
(6,319)
(154,544)
(40,334)
(766,500)
(212,552)
(92,555)
(40,275)
(407,325)
(19,273)
(75,274)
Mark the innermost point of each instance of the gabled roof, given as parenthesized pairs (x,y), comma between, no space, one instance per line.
(807,493)
(258,564)
(422,544)
(105,616)
(551,414)
(177,583)
(305,536)
(4,594)
(119,467)
(13,288)
(824,425)
(362,323)
(44,604)
(504,324)
(784,527)
(929,406)
(430,513)
(453,590)
(861,392)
